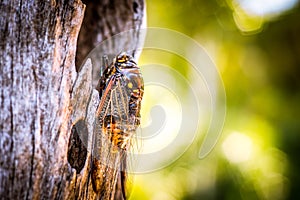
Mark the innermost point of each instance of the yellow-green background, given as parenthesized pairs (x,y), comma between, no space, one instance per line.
(258,58)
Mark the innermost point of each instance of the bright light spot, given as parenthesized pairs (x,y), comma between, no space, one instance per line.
(237,147)
(250,15)
(157,95)
(266,7)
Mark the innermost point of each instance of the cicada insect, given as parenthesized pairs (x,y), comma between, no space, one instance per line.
(121,90)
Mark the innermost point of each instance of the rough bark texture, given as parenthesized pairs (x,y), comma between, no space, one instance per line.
(46,107)
(106,18)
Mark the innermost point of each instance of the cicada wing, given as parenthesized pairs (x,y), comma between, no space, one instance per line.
(111,136)
(103,168)
(127,123)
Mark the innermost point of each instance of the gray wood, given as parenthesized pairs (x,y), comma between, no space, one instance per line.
(42,96)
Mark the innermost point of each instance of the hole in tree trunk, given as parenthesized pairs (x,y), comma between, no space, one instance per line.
(77,148)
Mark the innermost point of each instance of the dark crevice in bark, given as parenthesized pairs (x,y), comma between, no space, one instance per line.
(19,16)
(32,159)
(33,129)
(57,134)
(76,192)
(135,6)
(60,185)
(63,65)
(88,182)
(12,128)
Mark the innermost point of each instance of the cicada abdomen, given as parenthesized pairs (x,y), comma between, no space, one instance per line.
(121,90)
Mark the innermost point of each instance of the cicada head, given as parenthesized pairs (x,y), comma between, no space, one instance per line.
(124,61)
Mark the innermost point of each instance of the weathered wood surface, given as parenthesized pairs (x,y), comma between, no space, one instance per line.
(42,96)
(107,18)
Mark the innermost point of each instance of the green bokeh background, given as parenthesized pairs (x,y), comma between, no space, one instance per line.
(258,58)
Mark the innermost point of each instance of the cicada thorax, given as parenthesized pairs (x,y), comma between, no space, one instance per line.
(133,82)
(117,118)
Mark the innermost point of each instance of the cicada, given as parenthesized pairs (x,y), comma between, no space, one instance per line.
(121,90)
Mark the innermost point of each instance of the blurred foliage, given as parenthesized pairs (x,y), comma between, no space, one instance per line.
(258,58)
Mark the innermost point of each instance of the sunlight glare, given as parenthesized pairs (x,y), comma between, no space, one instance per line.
(266,7)
(237,147)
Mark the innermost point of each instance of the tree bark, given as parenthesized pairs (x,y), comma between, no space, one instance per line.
(47,107)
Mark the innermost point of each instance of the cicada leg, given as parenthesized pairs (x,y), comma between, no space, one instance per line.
(98,175)
(105,72)
(104,63)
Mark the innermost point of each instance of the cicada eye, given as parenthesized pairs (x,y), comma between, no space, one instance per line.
(122,58)
(124,61)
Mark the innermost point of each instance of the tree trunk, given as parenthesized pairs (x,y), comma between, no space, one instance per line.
(47,107)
